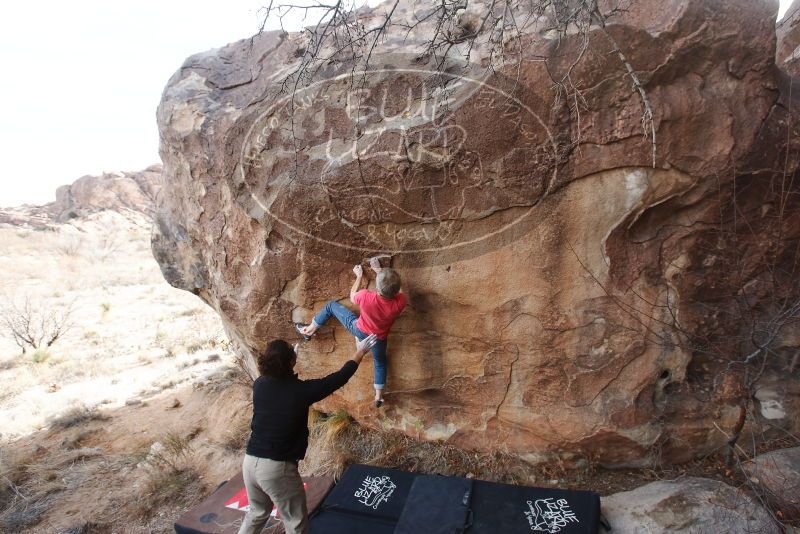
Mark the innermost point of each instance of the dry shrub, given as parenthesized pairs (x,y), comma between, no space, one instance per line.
(336,441)
(173,481)
(180,488)
(235,438)
(171,453)
(88,528)
(30,485)
(77,415)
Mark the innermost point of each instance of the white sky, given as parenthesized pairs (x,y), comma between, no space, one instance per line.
(82,79)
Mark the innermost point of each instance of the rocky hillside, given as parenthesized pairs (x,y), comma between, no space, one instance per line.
(597,235)
(116,191)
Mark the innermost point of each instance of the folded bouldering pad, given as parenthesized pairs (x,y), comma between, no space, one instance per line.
(222,512)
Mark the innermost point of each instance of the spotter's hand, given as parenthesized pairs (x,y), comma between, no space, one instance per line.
(363,345)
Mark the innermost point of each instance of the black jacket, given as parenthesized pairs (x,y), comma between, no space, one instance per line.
(280,412)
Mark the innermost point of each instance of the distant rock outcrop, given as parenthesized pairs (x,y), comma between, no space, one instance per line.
(568,295)
(133,192)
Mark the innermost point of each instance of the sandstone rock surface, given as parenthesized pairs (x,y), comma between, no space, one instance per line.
(686,505)
(778,472)
(552,270)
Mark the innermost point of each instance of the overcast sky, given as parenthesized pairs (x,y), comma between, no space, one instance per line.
(82,79)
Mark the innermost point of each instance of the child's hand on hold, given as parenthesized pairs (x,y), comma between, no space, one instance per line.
(358,271)
(375,263)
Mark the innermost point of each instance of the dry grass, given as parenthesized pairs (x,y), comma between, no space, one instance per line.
(235,438)
(76,415)
(30,484)
(174,488)
(337,441)
(88,528)
(173,480)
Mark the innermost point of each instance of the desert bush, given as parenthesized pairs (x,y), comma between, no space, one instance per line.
(31,485)
(24,513)
(70,245)
(77,415)
(235,438)
(109,242)
(40,356)
(172,478)
(173,487)
(88,528)
(171,453)
(34,325)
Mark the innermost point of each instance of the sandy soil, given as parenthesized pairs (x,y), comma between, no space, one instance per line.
(132,334)
(83,422)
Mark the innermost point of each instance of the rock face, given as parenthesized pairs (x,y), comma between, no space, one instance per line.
(570,290)
(686,505)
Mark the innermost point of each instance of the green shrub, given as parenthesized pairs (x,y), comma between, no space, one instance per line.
(40,356)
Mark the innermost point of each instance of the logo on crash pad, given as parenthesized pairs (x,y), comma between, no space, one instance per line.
(240,502)
(549,515)
(375,490)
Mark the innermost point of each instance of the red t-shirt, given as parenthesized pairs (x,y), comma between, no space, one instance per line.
(377,313)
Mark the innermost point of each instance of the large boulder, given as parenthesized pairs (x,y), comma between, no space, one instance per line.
(687,505)
(778,473)
(555,263)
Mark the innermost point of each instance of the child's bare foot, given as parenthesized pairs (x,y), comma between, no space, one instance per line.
(378,398)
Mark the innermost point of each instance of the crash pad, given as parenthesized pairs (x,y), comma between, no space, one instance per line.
(222,512)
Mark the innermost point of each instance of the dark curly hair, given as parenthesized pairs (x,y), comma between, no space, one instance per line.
(277,360)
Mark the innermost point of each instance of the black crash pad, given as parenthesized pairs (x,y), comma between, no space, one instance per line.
(372,500)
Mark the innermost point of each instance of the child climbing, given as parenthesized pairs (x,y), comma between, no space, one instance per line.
(378,313)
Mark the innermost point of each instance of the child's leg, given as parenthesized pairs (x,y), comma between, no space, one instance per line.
(334,309)
(379,363)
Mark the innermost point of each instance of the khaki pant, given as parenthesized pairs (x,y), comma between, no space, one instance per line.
(268,482)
